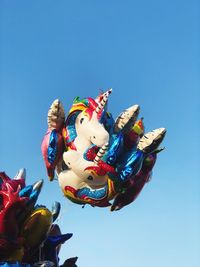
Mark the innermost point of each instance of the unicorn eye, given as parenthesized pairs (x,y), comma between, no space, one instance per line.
(64,166)
(90,178)
(81,120)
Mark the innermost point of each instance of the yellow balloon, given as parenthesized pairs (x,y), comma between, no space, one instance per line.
(37,226)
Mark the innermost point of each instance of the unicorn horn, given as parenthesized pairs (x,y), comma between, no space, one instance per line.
(103,101)
(101,153)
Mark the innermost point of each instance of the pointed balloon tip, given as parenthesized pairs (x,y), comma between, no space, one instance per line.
(115,208)
(112,208)
(69,235)
(159,150)
(38,185)
(70,262)
(108,92)
(55,210)
(51,178)
(21,174)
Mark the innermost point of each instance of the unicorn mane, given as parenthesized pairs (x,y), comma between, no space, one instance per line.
(87,106)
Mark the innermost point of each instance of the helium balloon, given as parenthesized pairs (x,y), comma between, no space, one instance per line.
(25,227)
(96,158)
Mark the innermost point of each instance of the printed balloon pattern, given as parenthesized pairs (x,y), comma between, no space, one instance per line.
(98,160)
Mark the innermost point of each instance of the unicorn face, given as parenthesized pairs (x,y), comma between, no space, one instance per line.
(84,123)
(91,129)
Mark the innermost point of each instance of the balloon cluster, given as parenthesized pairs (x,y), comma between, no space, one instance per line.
(96,158)
(28,234)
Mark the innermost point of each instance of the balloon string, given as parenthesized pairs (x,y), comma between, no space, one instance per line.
(40,252)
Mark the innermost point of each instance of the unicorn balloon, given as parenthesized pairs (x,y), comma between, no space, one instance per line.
(95,157)
(73,133)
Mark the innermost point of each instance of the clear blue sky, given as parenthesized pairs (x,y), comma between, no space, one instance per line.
(148,52)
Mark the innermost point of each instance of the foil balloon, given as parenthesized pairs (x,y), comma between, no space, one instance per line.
(98,158)
(71,262)
(27,232)
(11,243)
(135,183)
(53,143)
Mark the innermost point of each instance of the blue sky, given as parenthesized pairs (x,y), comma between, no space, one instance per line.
(148,52)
